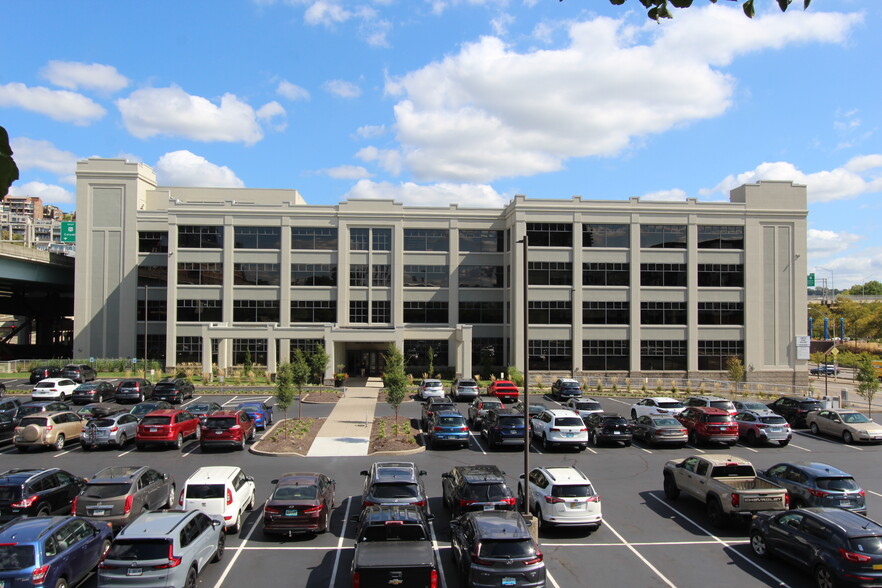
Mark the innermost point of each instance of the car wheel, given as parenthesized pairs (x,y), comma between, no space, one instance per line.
(43,511)
(791,420)
(824,577)
(731,443)
(671,490)
(234,528)
(594,440)
(627,444)
(758,544)
(59,443)
(784,443)
(241,446)
(170,501)
(847,437)
(693,439)
(122,440)
(191,579)
(179,441)
(544,442)
(633,414)
(250,505)
(251,435)
(141,398)
(715,513)
(62,397)
(751,437)
(814,428)
(219,552)
(61,583)
(542,524)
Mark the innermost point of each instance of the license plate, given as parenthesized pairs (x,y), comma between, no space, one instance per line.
(575,505)
(513,432)
(617,432)
(570,434)
(291,512)
(98,513)
(875,567)
(776,429)
(134,572)
(153,429)
(845,503)
(489,507)
(218,432)
(509,581)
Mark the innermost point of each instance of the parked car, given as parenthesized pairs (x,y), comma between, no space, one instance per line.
(503,426)
(837,547)
(34,492)
(656,405)
(227,428)
(431,388)
(134,390)
(7,427)
(464,389)
(144,408)
(163,548)
(9,406)
(261,412)
(479,407)
(44,371)
(53,389)
(174,390)
(825,369)
(706,424)
(204,409)
(503,390)
(849,425)
(565,388)
(562,496)
(52,429)
(659,429)
(817,484)
(741,405)
(447,427)
(99,409)
(51,551)
(301,503)
(224,491)
(167,427)
(534,409)
(763,426)
(432,405)
(116,495)
(468,488)
(583,406)
(393,483)
(713,401)
(29,408)
(608,428)
(562,428)
(94,391)
(495,548)
(795,409)
(79,372)
(115,430)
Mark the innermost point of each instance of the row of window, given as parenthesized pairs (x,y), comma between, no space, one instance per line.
(670,275)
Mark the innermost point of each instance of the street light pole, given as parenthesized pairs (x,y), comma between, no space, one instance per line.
(526,342)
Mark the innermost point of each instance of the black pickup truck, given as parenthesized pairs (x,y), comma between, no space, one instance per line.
(394,548)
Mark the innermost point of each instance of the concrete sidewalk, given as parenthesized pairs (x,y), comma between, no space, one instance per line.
(347,430)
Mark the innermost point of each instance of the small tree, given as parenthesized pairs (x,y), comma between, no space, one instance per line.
(318,363)
(395,379)
(299,369)
(248,362)
(515,375)
(284,391)
(431,355)
(735,367)
(868,382)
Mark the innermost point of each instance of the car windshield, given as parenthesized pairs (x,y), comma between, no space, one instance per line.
(395,490)
(838,484)
(511,421)
(128,384)
(220,422)
(203,491)
(295,492)
(753,406)
(613,421)
(199,408)
(505,385)
(106,490)
(568,422)
(139,549)
(722,404)
(573,491)
(670,405)
(732,471)
(451,421)
(773,420)
(10,493)
(871,545)
(486,492)
(164,387)
(588,406)
(102,423)
(490,404)
(47,384)
(143,409)
(155,420)
(507,548)
(26,410)
(854,417)
(718,418)
(666,422)
(250,407)
(810,406)
(87,387)
(39,421)
(16,557)
(468,384)
(394,532)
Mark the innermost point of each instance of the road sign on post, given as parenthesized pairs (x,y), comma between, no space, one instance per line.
(811,280)
(68,232)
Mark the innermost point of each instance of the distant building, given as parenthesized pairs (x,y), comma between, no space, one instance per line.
(26,206)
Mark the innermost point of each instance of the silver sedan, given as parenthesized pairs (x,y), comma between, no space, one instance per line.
(113,430)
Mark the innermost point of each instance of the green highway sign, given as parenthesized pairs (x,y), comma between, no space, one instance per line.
(811,280)
(68,232)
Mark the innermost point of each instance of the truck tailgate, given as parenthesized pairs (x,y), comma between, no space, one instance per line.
(398,563)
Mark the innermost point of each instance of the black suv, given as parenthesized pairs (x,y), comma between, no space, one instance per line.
(174,391)
(391,483)
(78,372)
(134,390)
(434,404)
(476,487)
(503,426)
(817,484)
(94,391)
(566,388)
(608,428)
(494,547)
(836,546)
(33,492)
(392,523)
(44,371)
(795,409)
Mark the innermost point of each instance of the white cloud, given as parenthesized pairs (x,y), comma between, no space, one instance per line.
(60,105)
(826,243)
(74,75)
(347,172)
(273,114)
(183,168)
(291,91)
(342,88)
(672,195)
(326,13)
(48,193)
(36,154)
(500,24)
(388,159)
(475,116)
(171,111)
(443,194)
(371,131)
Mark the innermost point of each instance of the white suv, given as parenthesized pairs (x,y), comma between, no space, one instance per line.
(656,405)
(431,388)
(559,427)
(219,490)
(562,496)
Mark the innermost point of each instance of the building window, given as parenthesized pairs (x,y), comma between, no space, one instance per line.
(155,347)
(663,313)
(381,311)
(358,312)
(713,355)
(606,235)
(720,313)
(426,240)
(152,241)
(606,355)
(156,310)
(313,274)
(720,237)
(378,239)
(481,241)
(662,355)
(596,312)
(550,312)
(427,276)
(189,350)
(720,275)
(200,274)
(381,239)
(201,237)
(358,274)
(256,274)
(550,273)
(381,275)
(417,311)
(307,346)
(550,234)
(249,349)
(313,311)
(606,274)
(488,352)
(257,237)
(663,274)
(481,312)
(256,311)
(200,311)
(152,275)
(313,238)
(663,236)
(550,354)
(359,239)
(481,276)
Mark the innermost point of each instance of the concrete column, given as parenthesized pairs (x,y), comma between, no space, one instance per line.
(206,352)
(635,293)
(692,295)
(271,359)
(576,295)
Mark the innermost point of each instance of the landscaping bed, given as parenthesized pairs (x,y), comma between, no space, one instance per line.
(385,436)
(301,433)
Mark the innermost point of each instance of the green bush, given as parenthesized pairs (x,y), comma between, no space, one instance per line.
(515,375)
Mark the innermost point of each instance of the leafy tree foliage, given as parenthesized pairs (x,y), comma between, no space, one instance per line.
(656,9)
(871,288)
(735,367)
(395,379)
(868,382)
(8,169)
(299,375)
(318,363)
(284,390)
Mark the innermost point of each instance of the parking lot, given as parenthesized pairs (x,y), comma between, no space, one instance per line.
(645,540)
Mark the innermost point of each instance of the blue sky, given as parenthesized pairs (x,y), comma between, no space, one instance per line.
(468,101)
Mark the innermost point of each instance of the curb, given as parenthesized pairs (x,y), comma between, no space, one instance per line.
(399,452)
(262,453)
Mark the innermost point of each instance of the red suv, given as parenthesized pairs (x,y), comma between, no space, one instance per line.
(167,426)
(708,424)
(503,390)
(227,428)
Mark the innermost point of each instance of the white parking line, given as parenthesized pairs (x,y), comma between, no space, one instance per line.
(435,549)
(647,543)
(65,452)
(477,442)
(192,400)
(695,448)
(340,542)
(874,493)
(621,401)
(239,551)
(747,448)
(230,401)
(800,447)
(638,554)
(591,450)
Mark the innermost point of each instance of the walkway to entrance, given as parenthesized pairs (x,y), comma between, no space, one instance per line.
(347,430)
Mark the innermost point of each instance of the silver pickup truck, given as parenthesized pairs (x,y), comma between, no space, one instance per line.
(728,486)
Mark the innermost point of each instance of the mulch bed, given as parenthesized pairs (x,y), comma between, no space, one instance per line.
(323,396)
(299,439)
(409,437)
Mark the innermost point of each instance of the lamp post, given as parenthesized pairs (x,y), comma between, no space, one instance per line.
(526,485)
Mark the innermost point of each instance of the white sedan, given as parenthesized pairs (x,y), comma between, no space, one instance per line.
(656,405)
(53,389)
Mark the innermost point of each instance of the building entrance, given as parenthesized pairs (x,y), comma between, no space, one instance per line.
(366,362)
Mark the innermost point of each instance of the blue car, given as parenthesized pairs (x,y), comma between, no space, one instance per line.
(259,411)
(447,427)
(51,551)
